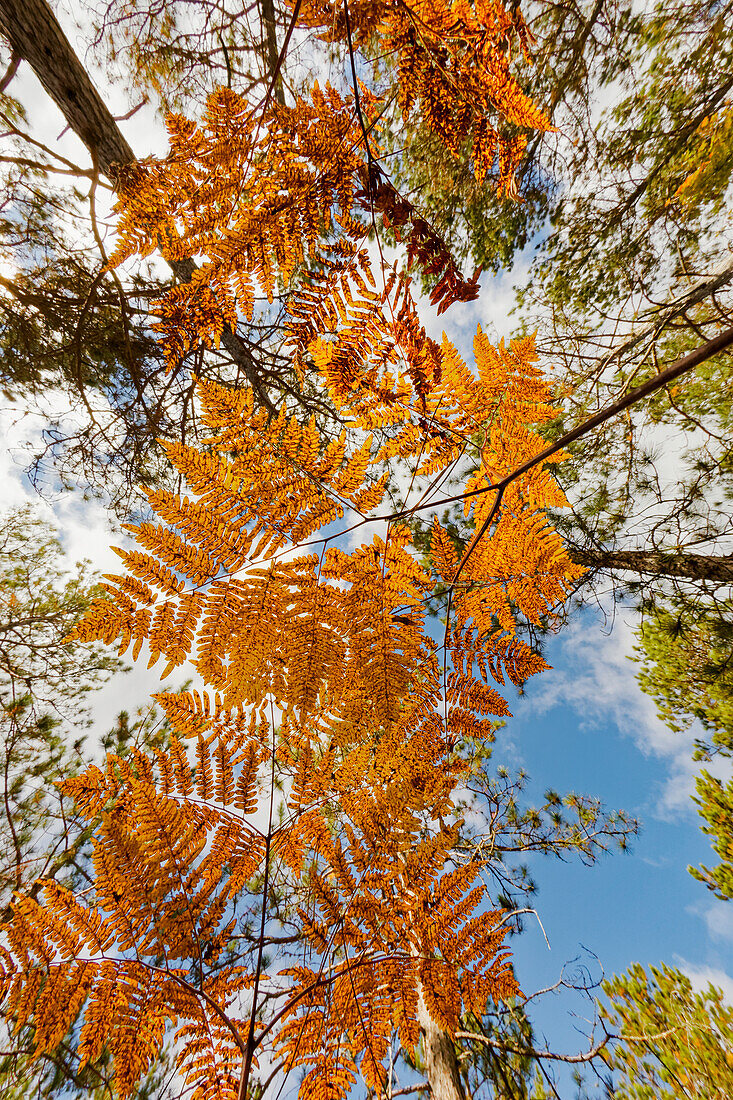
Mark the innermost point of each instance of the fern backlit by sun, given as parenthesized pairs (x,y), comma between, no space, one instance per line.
(372,714)
(320,678)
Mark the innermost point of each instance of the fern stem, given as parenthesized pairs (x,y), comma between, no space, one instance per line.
(247,1063)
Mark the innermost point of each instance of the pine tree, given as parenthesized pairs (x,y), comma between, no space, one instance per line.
(674,1042)
(45,690)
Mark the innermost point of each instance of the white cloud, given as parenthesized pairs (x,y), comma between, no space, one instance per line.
(491,309)
(596,679)
(702,976)
(85,531)
(718,918)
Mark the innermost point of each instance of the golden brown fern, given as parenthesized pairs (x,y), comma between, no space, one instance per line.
(282,202)
(452,65)
(318,672)
(371,713)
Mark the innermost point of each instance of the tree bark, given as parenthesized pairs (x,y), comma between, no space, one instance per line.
(270,47)
(658,563)
(441,1063)
(35,34)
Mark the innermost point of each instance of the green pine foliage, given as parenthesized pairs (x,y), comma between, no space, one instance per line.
(715,805)
(685,655)
(674,1043)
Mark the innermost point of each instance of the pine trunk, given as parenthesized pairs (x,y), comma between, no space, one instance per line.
(658,563)
(36,36)
(441,1063)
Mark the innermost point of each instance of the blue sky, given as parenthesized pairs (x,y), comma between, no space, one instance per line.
(585,726)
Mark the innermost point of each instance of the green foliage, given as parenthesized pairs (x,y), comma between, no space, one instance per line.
(183,50)
(715,805)
(668,103)
(44,689)
(630,198)
(685,653)
(76,345)
(59,1075)
(40,601)
(70,339)
(673,1043)
(686,665)
(483,227)
(45,686)
(491,1071)
(621,185)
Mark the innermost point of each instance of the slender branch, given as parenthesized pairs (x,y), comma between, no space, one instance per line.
(680,366)
(515,913)
(545,1055)
(11,70)
(550,1056)
(355,85)
(251,1043)
(281,59)
(684,133)
(408,1089)
(703,289)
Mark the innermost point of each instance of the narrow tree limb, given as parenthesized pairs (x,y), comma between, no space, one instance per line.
(531,1052)
(698,293)
(35,35)
(570,69)
(680,366)
(11,70)
(405,1091)
(587,1056)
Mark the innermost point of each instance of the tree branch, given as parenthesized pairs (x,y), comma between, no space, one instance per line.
(698,293)
(550,1056)
(35,34)
(659,563)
